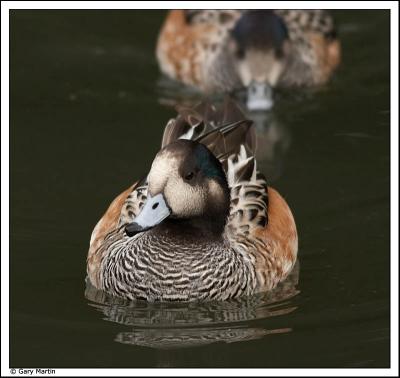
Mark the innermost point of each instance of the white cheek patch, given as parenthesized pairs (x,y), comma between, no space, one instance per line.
(163,168)
(184,200)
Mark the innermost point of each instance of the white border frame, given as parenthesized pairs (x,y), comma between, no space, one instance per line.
(394,162)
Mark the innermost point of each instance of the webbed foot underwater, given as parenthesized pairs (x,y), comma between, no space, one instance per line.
(202,225)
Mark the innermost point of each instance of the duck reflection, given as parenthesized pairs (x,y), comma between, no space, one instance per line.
(180,325)
(273,142)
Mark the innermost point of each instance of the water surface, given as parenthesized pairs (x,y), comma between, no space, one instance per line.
(87,112)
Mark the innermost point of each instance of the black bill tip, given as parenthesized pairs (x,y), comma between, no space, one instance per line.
(133,228)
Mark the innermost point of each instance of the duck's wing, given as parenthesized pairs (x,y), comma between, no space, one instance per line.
(218,17)
(300,21)
(249,194)
(189,39)
(316,49)
(133,202)
(106,228)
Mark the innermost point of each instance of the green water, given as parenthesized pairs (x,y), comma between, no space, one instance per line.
(87,111)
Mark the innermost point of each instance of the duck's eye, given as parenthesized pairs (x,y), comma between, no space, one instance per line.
(189,176)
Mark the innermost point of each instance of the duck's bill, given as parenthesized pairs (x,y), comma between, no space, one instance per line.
(259,96)
(154,211)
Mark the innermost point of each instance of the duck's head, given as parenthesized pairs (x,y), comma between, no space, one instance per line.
(186,182)
(259,44)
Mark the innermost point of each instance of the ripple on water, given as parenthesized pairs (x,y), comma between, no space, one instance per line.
(163,325)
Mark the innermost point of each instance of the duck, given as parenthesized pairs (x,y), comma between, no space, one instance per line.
(224,51)
(203,224)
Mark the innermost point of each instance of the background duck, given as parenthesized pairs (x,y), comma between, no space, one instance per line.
(223,50)
(202,225)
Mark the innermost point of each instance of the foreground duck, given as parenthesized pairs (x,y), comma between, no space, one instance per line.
(223,50)
(202,225)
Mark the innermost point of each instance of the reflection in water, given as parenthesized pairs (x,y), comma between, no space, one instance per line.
(273,141)
(273,137)
(179,325)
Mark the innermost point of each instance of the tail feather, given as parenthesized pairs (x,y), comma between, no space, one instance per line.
(223,130)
